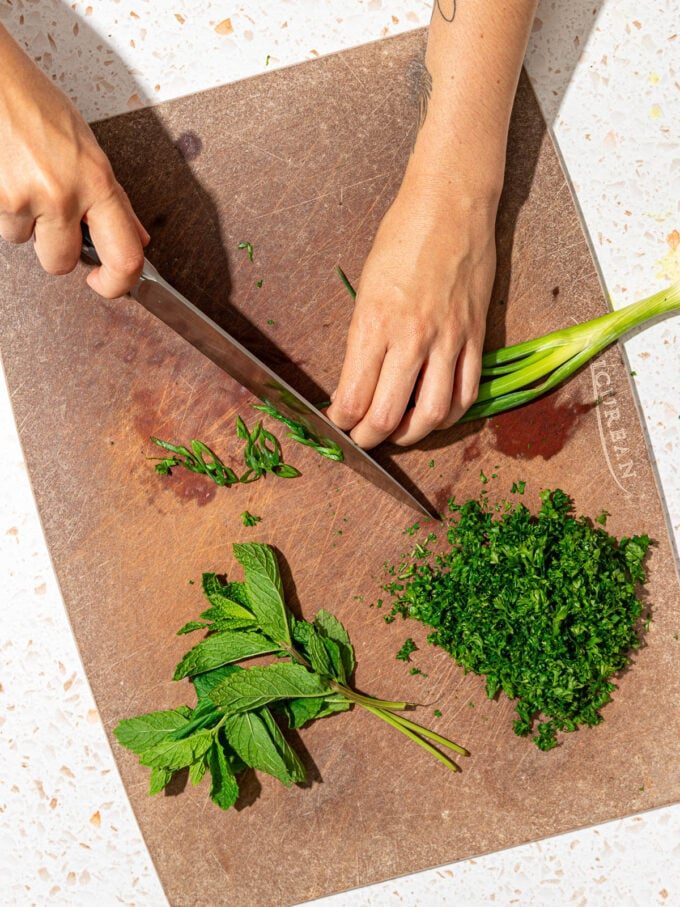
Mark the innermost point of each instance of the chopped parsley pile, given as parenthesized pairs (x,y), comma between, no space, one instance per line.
(545,607)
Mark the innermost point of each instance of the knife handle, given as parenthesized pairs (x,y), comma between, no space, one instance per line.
(88,249)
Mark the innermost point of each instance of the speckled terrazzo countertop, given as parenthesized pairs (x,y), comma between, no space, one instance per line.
(605,77)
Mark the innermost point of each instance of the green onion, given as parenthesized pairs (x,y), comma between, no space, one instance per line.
(520,373)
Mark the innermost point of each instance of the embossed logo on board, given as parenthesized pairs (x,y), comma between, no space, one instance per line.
(613,434)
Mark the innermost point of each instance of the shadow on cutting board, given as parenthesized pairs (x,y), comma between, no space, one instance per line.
(188,244)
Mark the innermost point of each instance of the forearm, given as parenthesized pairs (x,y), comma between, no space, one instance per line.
(467,86)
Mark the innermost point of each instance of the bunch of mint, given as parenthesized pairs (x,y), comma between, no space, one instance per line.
(234,724)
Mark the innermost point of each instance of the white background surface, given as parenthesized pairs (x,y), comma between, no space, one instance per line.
(604,72)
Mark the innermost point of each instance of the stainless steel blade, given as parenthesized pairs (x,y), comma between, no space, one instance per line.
(163,301)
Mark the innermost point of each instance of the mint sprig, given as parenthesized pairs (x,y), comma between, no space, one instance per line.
(234,724)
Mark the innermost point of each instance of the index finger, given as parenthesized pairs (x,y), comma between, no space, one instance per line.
(117,237)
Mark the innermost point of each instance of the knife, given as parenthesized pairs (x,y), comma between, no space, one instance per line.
(174,310)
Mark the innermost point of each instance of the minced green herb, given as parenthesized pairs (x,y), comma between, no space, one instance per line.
(437,713)
(249,519)
(408,648)
(248,248)
(200,459)
(235,723)
(303,434)
(262,453)
(416,671)
(544,607)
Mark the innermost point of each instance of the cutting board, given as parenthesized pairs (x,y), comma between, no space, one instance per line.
(303,164)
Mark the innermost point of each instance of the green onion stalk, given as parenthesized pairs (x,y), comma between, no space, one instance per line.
(520,373)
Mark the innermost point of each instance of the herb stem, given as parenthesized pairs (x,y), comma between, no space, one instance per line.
(345,279)
(360,699)
(391,719)
(426,732)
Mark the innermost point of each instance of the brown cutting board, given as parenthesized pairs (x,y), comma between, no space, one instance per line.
(303,163)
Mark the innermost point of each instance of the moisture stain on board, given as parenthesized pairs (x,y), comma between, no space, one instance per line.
(189,486)
(540,429)
(189,145)
(472,451)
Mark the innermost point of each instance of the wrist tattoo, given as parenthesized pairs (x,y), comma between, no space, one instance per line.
(421,85)
(446,8)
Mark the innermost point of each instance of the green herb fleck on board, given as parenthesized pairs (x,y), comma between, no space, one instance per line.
(408,648)
(259,284)
(249,519)
(416,672)
(248,248)
(431,464)
(482,478)
(518,487)
(437,713)
(602,518)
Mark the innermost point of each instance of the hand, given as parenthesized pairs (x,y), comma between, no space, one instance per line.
(53,174)
(420,318)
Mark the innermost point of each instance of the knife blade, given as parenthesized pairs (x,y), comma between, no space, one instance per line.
(161,299)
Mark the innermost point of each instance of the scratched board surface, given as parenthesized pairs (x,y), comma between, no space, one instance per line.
(303,163)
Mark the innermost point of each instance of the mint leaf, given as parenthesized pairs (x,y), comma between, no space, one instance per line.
(160,777)
(224,788)
(218,622)
(300,711)
(175,754)
(265,590)
(145,731)
(204,683)
(331,627)
(335,655)
(295,768)
(333,706)
(191,626)
(256,687)
(249,736)
(318,654)
(196,771)
(219,597)
(222,648)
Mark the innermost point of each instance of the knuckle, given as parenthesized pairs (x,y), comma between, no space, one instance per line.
(349,407)
(15,236)
(435,412)
(468,396)
(383,421)
(127,263)
(59,200)
(60,267)
(12,205)
(419,331)
(101,179)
